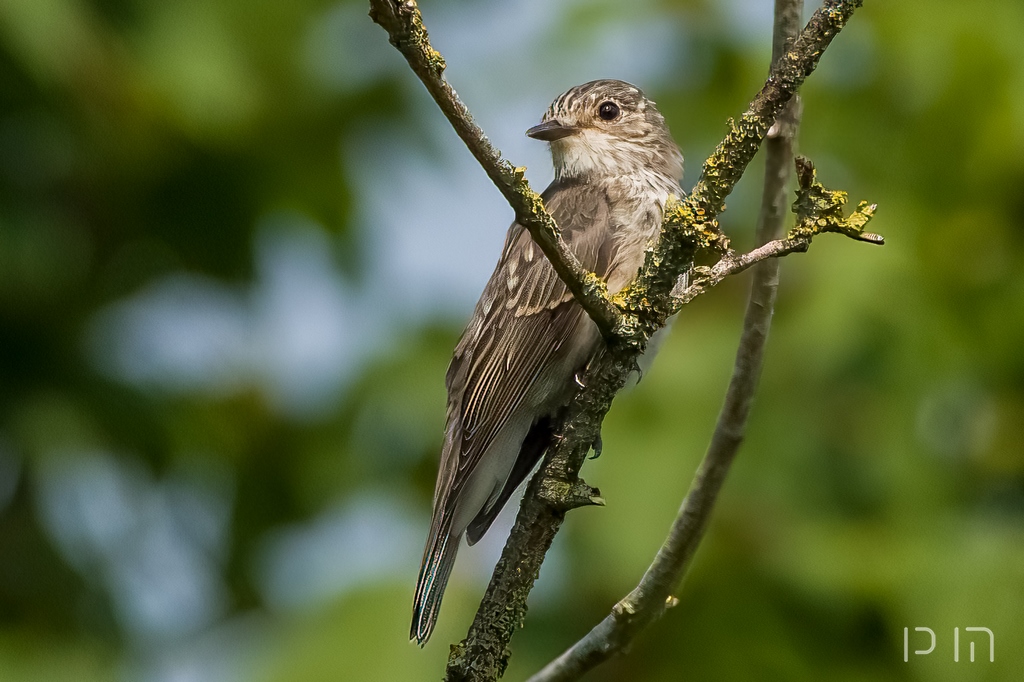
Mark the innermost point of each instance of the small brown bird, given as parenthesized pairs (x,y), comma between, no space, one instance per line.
(512,372)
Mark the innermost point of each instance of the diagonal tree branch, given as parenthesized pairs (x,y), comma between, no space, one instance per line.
(634,315)
(404,24)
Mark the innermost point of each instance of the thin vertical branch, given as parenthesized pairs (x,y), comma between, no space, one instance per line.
(649,600)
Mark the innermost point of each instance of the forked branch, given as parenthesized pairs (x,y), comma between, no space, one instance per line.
(635,314)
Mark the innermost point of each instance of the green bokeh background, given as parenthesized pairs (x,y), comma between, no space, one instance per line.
(881,484)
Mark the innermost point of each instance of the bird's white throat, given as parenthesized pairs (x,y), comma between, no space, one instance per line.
(596,155)
(593,152)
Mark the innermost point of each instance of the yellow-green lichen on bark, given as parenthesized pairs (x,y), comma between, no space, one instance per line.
(594,285)
(688,227)
(722,170)
(819,209)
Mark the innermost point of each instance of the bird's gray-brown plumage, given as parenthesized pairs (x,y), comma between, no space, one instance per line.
(512,370)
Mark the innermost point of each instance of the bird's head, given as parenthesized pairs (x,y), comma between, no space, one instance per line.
(608,128)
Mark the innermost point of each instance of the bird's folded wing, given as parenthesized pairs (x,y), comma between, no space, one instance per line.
(525,316)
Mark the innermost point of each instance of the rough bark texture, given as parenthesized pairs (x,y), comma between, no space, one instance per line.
(628,320)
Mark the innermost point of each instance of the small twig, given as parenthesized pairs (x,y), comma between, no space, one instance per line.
(821,210)
(404,24)
(818,210)
(693,221)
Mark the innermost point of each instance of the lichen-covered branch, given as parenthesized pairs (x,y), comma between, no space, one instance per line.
(634,315)
(404,24)
(557,488)
(818,210)
(694,220)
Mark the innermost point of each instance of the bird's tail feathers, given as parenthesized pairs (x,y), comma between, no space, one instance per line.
(434,573)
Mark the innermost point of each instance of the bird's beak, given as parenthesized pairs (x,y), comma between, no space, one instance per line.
(549,131)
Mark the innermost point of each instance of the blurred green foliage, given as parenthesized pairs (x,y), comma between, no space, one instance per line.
(153,523)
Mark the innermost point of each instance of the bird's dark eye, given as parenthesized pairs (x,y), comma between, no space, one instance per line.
(608,111)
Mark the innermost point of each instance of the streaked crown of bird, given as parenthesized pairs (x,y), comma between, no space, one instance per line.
(513,370)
